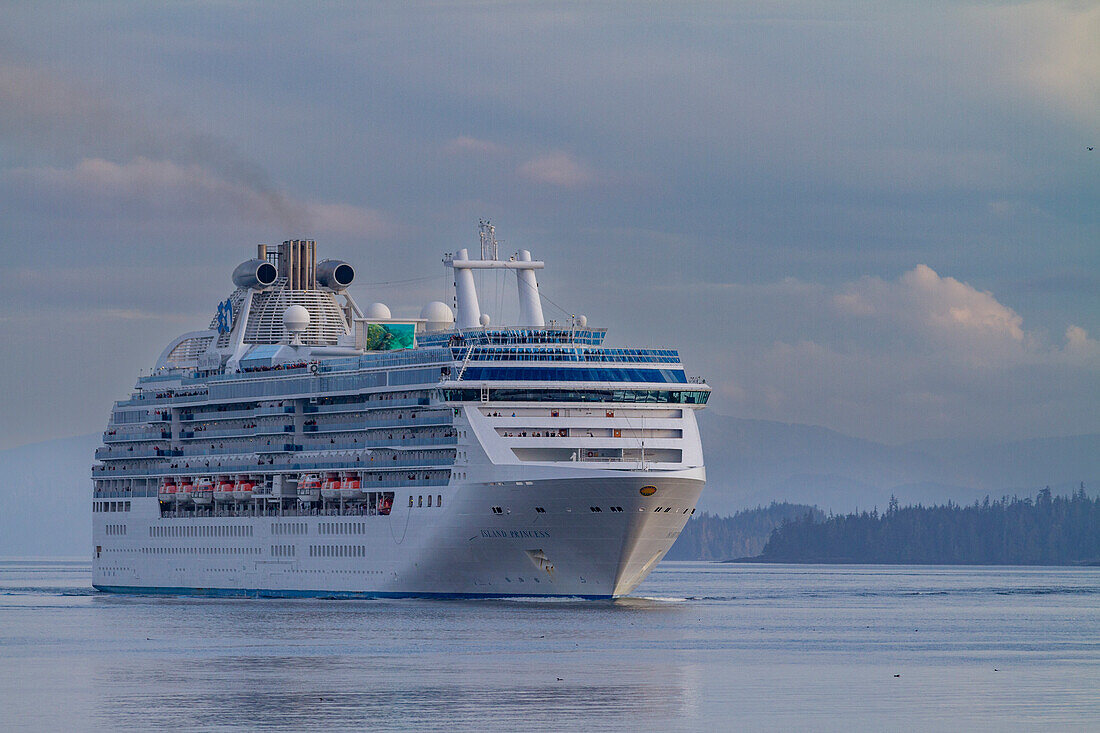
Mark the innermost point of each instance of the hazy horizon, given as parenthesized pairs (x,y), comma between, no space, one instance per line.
(880,220)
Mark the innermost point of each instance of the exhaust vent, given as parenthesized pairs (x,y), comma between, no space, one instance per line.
(334,274)
(254,274)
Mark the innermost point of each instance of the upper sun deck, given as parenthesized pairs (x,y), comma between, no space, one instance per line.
(291,327)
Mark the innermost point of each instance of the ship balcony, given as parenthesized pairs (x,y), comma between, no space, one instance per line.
(221,415)
(331,426)
(274,410)
(236,432)
(280,465)
(366,405)
(106,454)
(307,445)
(588,431)
(136,437)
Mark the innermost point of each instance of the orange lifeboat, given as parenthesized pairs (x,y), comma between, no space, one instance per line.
(203,493)
(184,491)
(224,490)
(330,489)
(167,491)
(309,488)
(242,490)
(351,488)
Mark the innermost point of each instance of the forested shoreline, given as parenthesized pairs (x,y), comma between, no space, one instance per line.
(1046,530)
(711,537)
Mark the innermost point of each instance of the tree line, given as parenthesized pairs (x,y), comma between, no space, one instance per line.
(711,537)
(1046,530)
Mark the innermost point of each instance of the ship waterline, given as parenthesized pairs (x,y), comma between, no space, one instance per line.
(305,446)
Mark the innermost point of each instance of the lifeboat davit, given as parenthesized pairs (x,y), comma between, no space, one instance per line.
(351,488)
(167,491)
(330,488)
(224,490)
(203,493)
(184,491)
(242,490)
(309,488)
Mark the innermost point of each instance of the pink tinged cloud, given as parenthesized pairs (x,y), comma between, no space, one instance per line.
(922,300)
(465,145)
(558,169)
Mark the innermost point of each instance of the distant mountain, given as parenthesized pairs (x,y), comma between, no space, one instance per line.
(45,496)
(755,462)
(45,487)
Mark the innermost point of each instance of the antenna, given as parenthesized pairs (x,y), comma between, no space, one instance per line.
(489,244)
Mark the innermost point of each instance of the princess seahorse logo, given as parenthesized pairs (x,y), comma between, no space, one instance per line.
(647,490)
(225,316)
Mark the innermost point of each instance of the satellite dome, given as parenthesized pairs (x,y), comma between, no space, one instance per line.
(296,319)
(484,320)
(377,312)
(438,315)
(581,321)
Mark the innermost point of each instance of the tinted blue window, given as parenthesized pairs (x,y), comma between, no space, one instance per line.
(580,374)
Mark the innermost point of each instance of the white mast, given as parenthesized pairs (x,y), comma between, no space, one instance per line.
(469,311)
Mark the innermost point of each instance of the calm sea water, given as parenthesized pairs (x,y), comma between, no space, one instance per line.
(699,646)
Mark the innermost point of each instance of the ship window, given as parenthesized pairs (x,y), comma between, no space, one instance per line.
(439,500)
(429,500)
(540,510)
(420,501)
(410,500)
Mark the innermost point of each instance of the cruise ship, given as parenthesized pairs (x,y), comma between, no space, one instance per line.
(303,446)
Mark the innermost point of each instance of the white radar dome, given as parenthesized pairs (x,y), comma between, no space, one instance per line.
(438,315)
(484,320)
(295,321)
(377,312)
(581,321)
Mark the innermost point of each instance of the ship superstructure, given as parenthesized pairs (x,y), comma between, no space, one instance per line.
(301,445)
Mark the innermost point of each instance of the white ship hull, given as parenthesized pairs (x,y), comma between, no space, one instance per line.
(302,445)
(459,549)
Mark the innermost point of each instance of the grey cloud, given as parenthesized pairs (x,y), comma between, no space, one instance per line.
(745,182)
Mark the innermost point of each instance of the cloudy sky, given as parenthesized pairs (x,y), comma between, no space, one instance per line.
(881,218)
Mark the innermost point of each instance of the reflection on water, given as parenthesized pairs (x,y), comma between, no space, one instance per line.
(299,693)
(698,646)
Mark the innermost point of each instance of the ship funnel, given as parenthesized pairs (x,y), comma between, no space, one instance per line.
(254,274)
(334,274)
(298,263)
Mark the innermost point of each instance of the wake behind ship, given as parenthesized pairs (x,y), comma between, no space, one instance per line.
(303,446)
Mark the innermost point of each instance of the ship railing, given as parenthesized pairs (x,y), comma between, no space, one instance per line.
(105,454)
(366,405)
(277,466)
(219,415)
(368,423)
(137,437)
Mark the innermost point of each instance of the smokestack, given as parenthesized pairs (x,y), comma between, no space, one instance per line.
(261,251)
(297,261)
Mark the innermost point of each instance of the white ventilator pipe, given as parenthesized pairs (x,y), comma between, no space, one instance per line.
(469,312)
(530,304)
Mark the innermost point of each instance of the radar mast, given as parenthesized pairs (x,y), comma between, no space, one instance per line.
(490,249)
